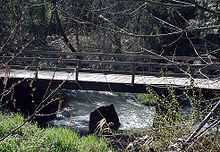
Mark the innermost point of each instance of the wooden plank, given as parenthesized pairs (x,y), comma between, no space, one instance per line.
(113,78)
(47,75)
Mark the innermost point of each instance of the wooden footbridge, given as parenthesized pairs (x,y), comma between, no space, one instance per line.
(110,72)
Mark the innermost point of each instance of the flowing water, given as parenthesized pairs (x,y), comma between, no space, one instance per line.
(79,104)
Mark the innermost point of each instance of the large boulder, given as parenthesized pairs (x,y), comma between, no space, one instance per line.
(107,113)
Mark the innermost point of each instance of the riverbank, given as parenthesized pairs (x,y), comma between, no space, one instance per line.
(30,137)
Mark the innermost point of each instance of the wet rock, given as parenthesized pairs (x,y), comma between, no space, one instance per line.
(59,116)
(66,114)
(110,116)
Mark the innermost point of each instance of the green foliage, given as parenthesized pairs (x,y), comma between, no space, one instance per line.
(174,134)
(167,110)
(31,138)
(9,122)
(167,134)
(195,96)
(168,123)
(92,144)
(62,139)
(149,98)
(9,145)
(201,104)
(170,127)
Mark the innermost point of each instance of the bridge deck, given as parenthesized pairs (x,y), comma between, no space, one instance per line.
(111,78)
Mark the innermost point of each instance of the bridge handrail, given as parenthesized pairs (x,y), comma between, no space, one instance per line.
(60,60)
(108,66)
(132,56)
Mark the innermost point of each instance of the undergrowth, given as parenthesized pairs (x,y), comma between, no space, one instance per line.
(31,138)
(171,128)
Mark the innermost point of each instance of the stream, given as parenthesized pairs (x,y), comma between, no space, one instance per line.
(79,104)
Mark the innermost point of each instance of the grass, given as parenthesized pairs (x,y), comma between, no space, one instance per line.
(92,144)
(31,138)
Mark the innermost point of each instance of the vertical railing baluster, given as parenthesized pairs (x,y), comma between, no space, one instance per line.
(77,69)
(133,73)
(150,65)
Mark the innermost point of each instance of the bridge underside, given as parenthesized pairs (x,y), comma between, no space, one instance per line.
(80,85)
(112,87)
(42,84)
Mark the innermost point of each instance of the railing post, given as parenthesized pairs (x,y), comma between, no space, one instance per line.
(133,73)
(77,69)
(150,66)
